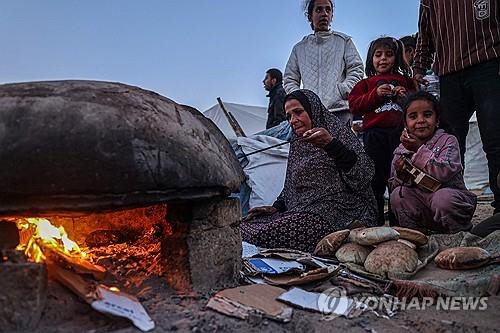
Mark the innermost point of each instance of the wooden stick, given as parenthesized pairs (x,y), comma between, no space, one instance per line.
(72,281)
(79,265)
(230,118)
(267,148)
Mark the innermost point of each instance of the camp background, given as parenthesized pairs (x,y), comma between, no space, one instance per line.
(190,51)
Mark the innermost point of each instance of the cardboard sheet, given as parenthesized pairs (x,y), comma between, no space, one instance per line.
(258,298)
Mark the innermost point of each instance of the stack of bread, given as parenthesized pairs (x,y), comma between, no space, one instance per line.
(379,250)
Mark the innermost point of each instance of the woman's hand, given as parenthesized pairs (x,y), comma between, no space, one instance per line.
(384,90)
(318,137)
(258,211)
(410,141)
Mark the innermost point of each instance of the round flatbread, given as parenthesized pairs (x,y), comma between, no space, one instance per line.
(375,235)
(353,234)
(353,253)
(462,258)
(412,235)
(407,243)
(391,257)
(330,243)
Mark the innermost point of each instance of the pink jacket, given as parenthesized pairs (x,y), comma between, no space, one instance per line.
(439,157)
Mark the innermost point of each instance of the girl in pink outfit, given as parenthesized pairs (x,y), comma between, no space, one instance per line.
(450,208)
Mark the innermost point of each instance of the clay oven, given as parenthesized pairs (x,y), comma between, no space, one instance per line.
(114,163)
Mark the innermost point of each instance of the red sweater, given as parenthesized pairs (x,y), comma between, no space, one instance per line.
(364,101)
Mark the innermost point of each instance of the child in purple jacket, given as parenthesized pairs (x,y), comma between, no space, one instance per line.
(450,208)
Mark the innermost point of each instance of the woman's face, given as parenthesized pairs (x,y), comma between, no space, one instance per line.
(298,117)
(421,119)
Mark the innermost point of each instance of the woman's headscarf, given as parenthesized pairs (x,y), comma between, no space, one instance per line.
(320,116)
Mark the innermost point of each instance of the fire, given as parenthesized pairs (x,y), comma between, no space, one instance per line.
(45,233)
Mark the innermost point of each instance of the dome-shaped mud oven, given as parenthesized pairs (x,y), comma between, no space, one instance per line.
(77,145)
(114,165)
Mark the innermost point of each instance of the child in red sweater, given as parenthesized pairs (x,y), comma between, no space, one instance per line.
(375,98)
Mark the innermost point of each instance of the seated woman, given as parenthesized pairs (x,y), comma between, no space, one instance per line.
(450,208)
(327,184)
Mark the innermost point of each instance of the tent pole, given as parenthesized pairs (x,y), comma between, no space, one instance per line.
(232,121)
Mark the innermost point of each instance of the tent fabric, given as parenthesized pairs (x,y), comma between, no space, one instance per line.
(476,165)
(266,170)
(282,132)
(252,119)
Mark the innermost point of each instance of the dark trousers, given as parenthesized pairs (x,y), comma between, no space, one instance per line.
(380,144)
(476,88)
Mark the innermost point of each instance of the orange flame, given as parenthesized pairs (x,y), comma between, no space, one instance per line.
(50,236)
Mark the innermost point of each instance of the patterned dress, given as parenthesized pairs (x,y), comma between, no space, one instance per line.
(318,197)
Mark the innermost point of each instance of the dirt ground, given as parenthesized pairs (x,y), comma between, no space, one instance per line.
(173,313)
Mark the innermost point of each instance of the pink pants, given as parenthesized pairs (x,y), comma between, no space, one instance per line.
(447,210)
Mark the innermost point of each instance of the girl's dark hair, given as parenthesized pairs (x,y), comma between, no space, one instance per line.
(410,42)
(308,9)
(400,65)
(421,96)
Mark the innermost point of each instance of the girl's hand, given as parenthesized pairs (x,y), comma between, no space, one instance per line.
(398,167)
(419,78)
(399,91)
(258,211)
(384,90)
(410,141)
(318,137)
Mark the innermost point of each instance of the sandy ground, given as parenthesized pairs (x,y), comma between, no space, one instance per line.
(174,313)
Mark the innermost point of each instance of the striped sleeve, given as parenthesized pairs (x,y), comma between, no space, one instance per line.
(425,47)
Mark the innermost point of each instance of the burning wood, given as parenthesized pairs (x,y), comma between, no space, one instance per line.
(41,241)
(44,232)
(77,264)
(72,281)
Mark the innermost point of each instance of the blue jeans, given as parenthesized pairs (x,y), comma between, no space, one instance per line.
(476,88)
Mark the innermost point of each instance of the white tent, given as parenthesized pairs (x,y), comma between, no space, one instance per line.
(252,119)
(476,165)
